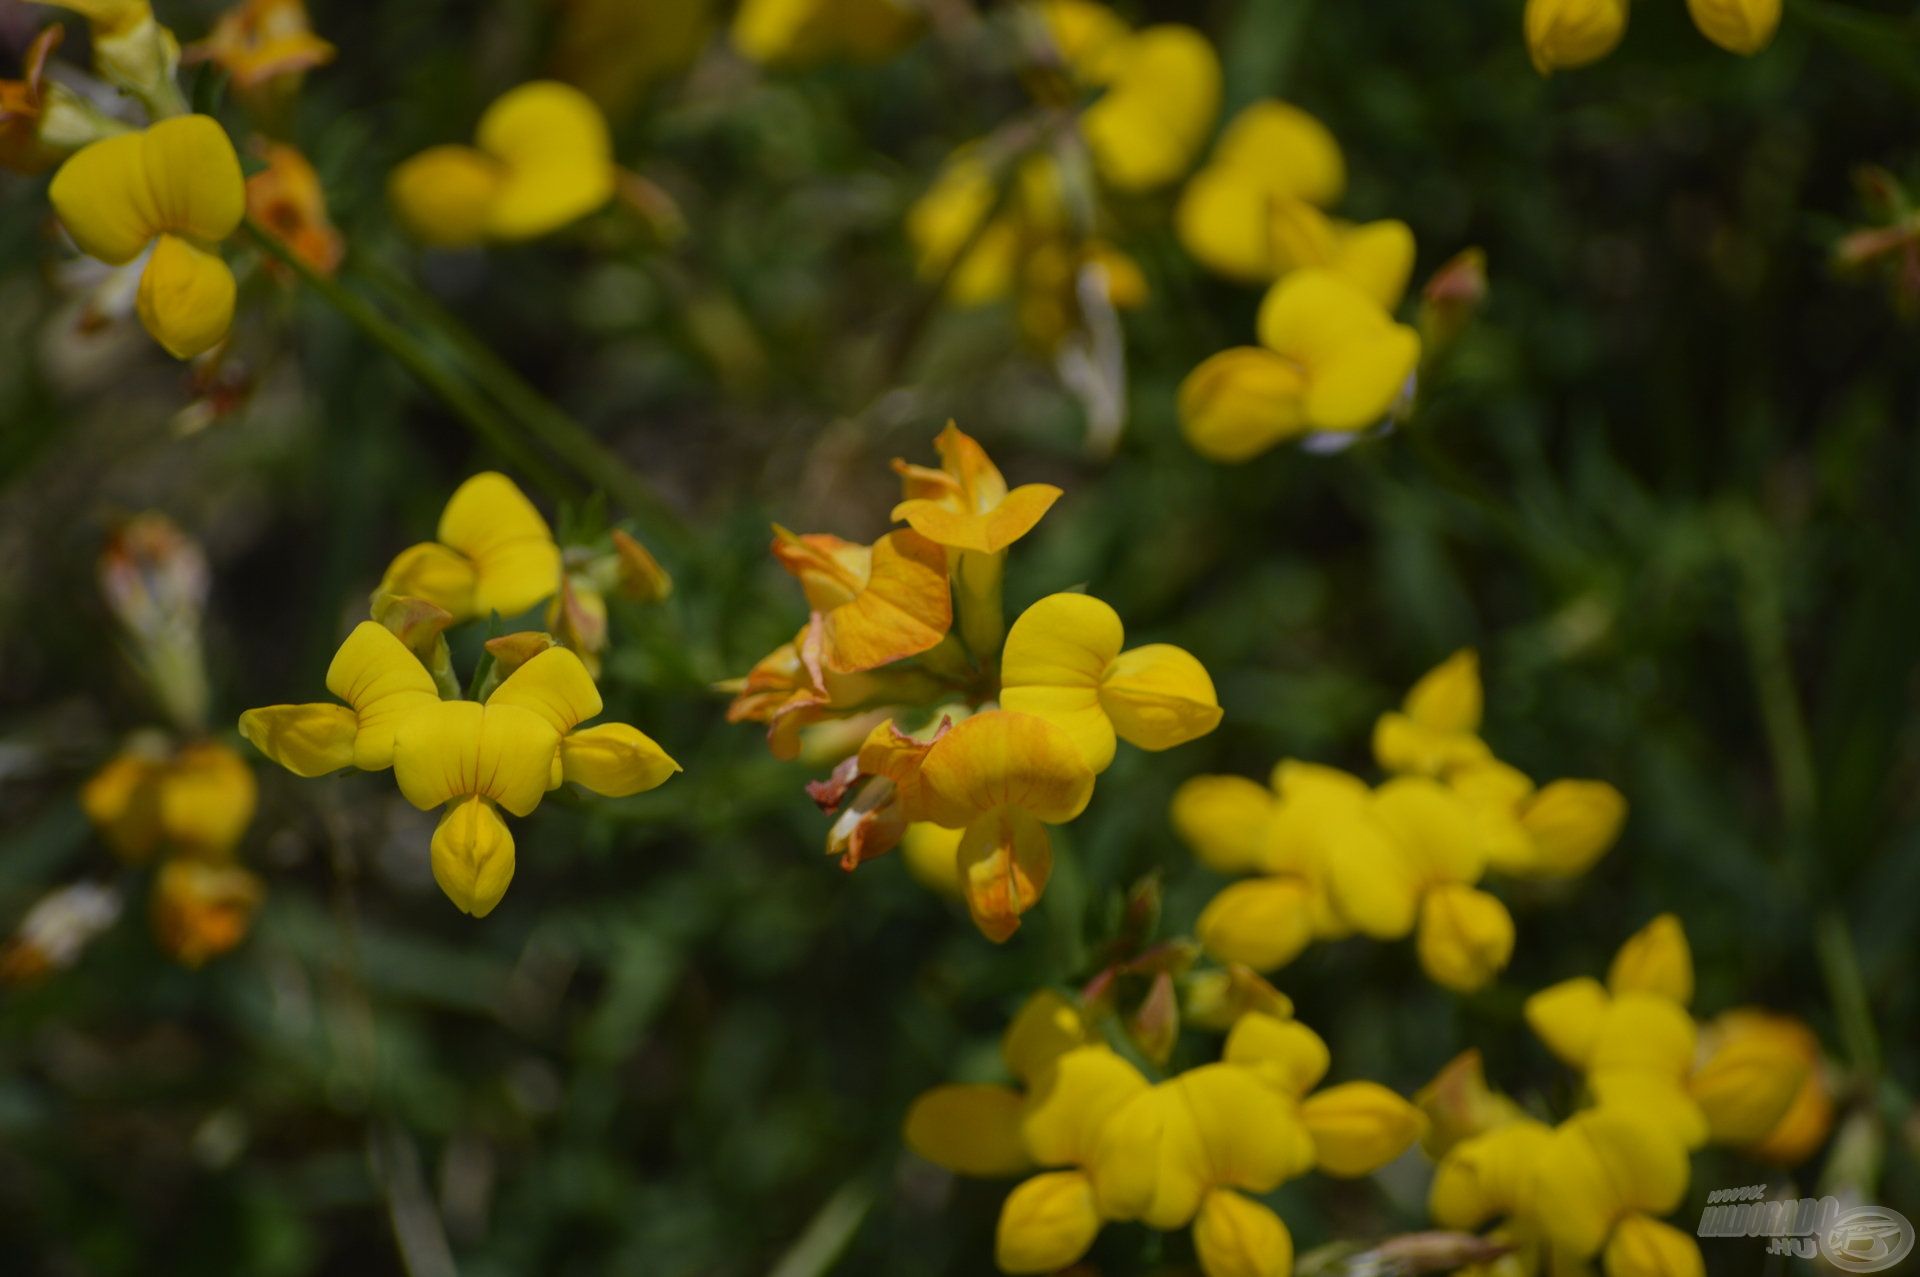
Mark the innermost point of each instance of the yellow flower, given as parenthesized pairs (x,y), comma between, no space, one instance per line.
(1063,662)
(1003,777)
(1760,1080)
(380,681)
(1162,95)
(877,604)
(1564,34)
(286,201)
(258,40)
(1655,959)
(494,553)
(201,910)
(933,857)
(474,758)
(1271,154)
(1643,1247)
(1460,1105)
(1738,26)
(174,188)
(1489,1175)
(194,801)
(131,49)
(803,32)
(1438,725)
(1356,1127)
(542,158)
(1330,359)
(1601,1168)
(1288,835)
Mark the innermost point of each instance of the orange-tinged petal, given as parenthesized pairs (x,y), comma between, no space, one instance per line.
(614,760)
(1235,1236)
(1056,657)
(384,682)
(985,532)
(553,685)
(1159,696)
(1004,860)
(904,608)
(307,740)
(453,749)
(1002,759)
(1263,923)
(1046,1223)
(1241,402)
(969,1129)
(446,194)
(1069,1104)
(473,856)
(515,561)
(122,801)
(185,298)
(557,155)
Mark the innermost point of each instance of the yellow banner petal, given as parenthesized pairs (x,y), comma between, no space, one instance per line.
(515,561)
(435,574)
(1056,655)
(1286,1053)
(453,749)
(553,685)
(1002,759)
(557,156)
(904,608)
(194,177)
(1069,1105)
(1241,402)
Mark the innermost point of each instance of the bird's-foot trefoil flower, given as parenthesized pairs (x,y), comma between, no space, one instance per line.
(493,553)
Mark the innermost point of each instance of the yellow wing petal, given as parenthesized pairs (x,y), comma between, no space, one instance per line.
(194,177)
(1568,1017)
(1069,1104)
(553,685)
(1055,657)
(1263,922)
(307,740)
(375,674)
(445,195)
(1657,960)
(615,760)
(970,1130)
(102,197)
(1159,696)
(1358,1127)
(1241,402)
(1286,1053)
(1160,104)
(1224,820)
(1465,938)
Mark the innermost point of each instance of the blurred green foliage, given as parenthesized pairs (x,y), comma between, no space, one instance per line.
(1668,483)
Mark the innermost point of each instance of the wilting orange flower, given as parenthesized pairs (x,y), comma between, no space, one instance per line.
(23,108)
(201,909)
(257,40)
(286,201)
(878,603)
(791,688)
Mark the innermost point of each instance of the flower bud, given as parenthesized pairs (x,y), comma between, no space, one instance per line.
(1465,937)
(1655,960)
(642,579)
(1358,1127)
(1563,34)
(1738,26)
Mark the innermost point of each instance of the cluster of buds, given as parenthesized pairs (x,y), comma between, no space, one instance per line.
(986,733)
(1099,1142)
(518,732)
(1326,855)
(1658,1086)
(1564,34)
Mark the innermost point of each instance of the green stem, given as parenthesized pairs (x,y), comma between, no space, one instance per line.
(1840,967)
(468,404)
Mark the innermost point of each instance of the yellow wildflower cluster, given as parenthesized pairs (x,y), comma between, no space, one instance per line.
(520,734)
(1563,34)
(1658,1087)
(1331,356)
(1020,219)
(791,33)
(1013,723)
(1329,856)
(1098,1142)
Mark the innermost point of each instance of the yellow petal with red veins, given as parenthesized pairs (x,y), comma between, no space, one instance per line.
(1656,960)
(1002,759)
(1004,861)
(615,760)
(1466,937)
(307,740)
(1159,696)
(1056,656)
(1241,402)
(553,144)
(1235,1236)
(384,682)
(969,1130)
(446,194)
(515,561)
(1358,1127)
(185,299)
(1263,923)
(1224,821)
(1286,1053)
(1046,1223)
(555,686)
(456,748)
(904,608)
(472,854)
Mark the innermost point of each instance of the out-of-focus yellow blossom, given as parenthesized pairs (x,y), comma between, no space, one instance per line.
(1655,959)
(474,758)
(202,909)
(285,200)
(194,801)
(1557,831)
(877,604)
(132,50)
(1330,359)
(791,33)
(933,857)
(1288,835)
(1422,876)
(1604,1169)
(381,682)
(1738,26)
(614,49)
(1063,662)
(256,41)
(1217,999)
(966,507)
(1564,34)
(1438,725)
(1270,156)
(1002,777)
(173,191)
(542,158)
(1635,1049)
(1748,1060)
(494,553)
(1489,1175)
(1460,1105)
(1160,97)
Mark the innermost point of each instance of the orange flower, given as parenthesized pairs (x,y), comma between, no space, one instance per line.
(23,105)
(202,910)
(965,504)
(285,199)
(878,603)
(258,40)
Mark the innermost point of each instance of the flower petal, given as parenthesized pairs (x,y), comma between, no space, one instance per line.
(445,195)
(194,177)
(1159,696)
(553,144)
(1224,820)
(1465,938)
(1644,1247)
(905,607)
(102,197)
(515,561)
(615,760)
(1046,1028)
(1568,1017)
(1046,1223)
(384,682)
(185,299)
(1572,823)
(1004,860)
(1069,1104)
(473,856)
(435,574)
(1377,257)
(1055,657)
(555,686)
(1358,1127)
(1160,104)
(453,749)
(307,740)
(1657,960)
(1286,1053)
(1241,402)
(1263,923)
(1005,759)
(969,1130)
